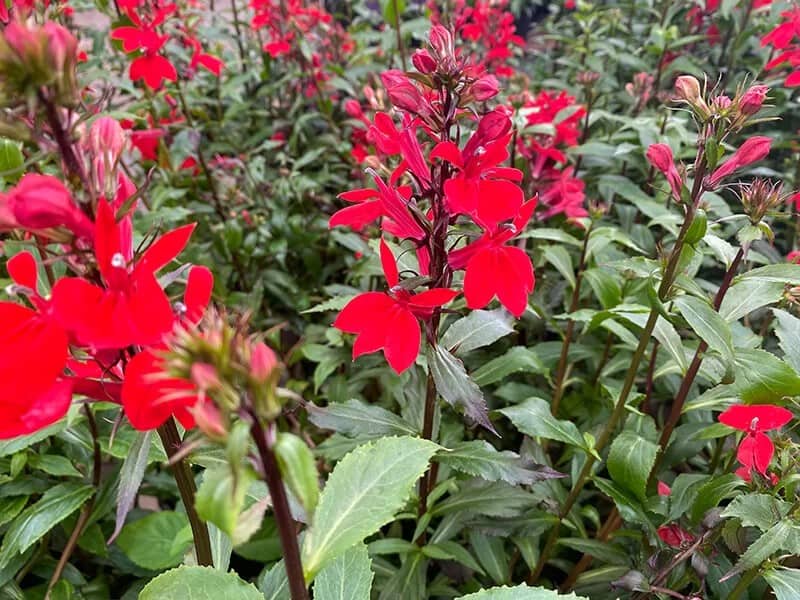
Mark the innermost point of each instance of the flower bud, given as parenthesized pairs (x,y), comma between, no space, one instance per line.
(42,201)
(760,197)
(687,88)
(485,88)
(353,108)
(208,419)
(205,376)
(660,156)
(263,362)
(402,93)
(751,101)
(105,141)
(441,41)
(423,61)
(753,150)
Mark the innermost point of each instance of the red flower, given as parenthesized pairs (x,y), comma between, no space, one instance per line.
(150,67)
(496,269)
(674,535)
(753,150)
(660,157)
(131,309)
(756,449)
(388,321)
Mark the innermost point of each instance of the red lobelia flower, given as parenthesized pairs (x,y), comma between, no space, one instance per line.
(752,150)
(756,449)
(150,66)
(131,309)
(388,321)
(33,352)
(494,268)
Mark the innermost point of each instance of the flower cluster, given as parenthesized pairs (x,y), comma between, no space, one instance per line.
(756,449)
(552,124)
(146,37)
(486,25)
(785,38)
(455,189)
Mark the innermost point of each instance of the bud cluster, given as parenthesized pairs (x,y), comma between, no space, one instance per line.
(727,114)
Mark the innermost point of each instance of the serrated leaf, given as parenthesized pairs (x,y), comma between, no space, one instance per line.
(712,492)
(630,461)
(765,546)
(199,583)
(130,478)
(55,505)
(515,360)
(479,328)
(787,328)
(456,387)
(481,459)
(533,418)
(757,510)
(748,295)
(362,494)
(157,541)
(348,577)
(355,418)
(520,592)
(707,324)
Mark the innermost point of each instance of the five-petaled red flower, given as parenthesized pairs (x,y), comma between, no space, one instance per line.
(756,449)
(388,320)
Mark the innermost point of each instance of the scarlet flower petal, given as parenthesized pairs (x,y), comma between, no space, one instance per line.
(364,311)
(402,341)
(196,297)
(27,415)
(433,298)
(498,201)
(389,265)
(22,269)
(356,217)
(756,451)
(479,286)
(165,249)
(514,279)
(743,417)
(152,69)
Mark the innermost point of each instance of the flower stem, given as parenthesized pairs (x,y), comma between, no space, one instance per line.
(280,504)
(400,47)
(171,440)
(428,480)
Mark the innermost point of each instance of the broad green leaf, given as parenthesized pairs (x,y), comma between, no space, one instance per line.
(456,387)
(490,551)
(787,327)
(520,592)
(298,469)
(11,507)
(355,417)
(274,583)
(518,359)
(59,466)
(493,499)
(707,325)
(157,541)
(783,273)
(603,551)
(763,377)
(479,328)
(199,583)
(605,285)
(480,458)
(533,418)
(769,543)
(784,582)
(348,577)
(561,260)
(757,510)
(712,492)
(130,478)
(221,496)
(362,494)
(748,295)
(630,461)
(55,505)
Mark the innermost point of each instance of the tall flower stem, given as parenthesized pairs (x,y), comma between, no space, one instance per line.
(264,440)
(171,440)
(561,370)
(670,273)
(401,50)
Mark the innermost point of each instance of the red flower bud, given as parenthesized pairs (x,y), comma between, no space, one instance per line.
(353,108)
(205,376)
(42,201)
(485,88)
(423,61)
(751,151)
(660,156)
(752,99)
(402,93)
(442,41)
(263,362)
(688,88)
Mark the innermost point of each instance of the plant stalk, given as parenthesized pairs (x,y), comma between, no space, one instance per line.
(280,504)
(171,440)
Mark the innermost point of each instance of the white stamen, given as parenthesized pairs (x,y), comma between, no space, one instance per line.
(480,151)
(118,260)
(754,424)
(179,308)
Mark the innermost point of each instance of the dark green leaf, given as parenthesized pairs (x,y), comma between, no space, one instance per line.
(456,387)
(630,461)
(199,583)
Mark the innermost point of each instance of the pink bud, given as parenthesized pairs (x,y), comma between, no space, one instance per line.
(106,136)
(688,88)
(42,201)
(62,47)
(423,61)
(353,108)
(208,419)
(402,93)
(205,376)
(660,156)
(7,219)
(263,362)
(663,489)
(441,41)
(485,88)
(752,99)
(751,151)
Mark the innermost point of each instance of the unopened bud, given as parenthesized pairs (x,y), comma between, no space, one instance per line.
(485,88)
(353,108)
(751,101)
(263,362)
(402,92)
(423,61)
(205,377)
(688,88)
(208,419)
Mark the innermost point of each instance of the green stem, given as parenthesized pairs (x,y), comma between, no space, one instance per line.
(400,46)
(744,582)
(171,440)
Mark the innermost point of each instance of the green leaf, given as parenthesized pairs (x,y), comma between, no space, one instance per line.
(481,459)
(493,499)
(712,492)
(130,478)
(630,461)
(603,551)
(355,418)
(362,494)
(348,577)
(491,555)
(456,387)
(221,496)
(479,328)
(533,418)
(561,260)
(11,160)
(517,359)
(199,583)
(787,328)
(55,505)
(392,9)
(298,469)
(748,295)
(784,582)
(757,510)
(157,541)
(762,377)
(274,583)
(520,592)
(605,286)
(783,273)
(59,466)
(707,324)
(765,546)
